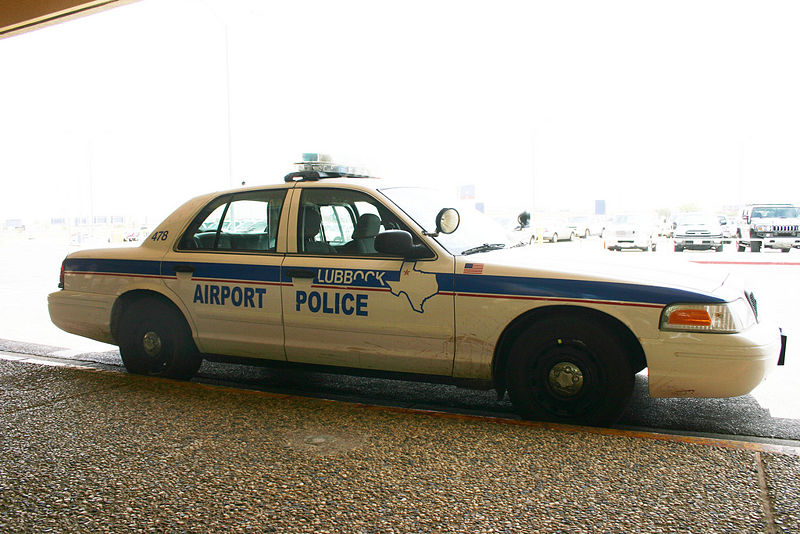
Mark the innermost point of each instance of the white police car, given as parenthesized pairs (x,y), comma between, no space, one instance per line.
(333,271)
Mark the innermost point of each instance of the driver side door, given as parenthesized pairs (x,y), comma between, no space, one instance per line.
(346,304)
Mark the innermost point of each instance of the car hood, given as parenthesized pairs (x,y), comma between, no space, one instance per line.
(648,275)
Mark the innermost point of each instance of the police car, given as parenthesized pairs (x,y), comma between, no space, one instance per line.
(335,270)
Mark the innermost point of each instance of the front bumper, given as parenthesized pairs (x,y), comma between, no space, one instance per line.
(712,365)
(781,242)
(698,242)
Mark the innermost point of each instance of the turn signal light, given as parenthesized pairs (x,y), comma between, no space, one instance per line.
(690,318)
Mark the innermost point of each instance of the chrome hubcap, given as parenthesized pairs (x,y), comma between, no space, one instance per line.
(566,379)
(151,342)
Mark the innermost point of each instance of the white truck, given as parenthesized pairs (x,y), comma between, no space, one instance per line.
(768,226)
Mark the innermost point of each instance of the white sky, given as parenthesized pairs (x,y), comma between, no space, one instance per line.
(548,105)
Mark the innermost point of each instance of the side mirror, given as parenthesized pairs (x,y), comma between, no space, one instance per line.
(399,243)
(447,221)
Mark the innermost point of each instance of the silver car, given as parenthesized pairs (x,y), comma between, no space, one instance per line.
(631,231)
(697,231)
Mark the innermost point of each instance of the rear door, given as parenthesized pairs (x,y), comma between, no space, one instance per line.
(226,270)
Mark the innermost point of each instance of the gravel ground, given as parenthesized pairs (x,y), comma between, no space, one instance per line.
(90,451)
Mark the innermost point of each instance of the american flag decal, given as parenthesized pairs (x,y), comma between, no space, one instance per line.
(473,268)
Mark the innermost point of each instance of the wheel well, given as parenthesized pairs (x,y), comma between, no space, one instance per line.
(126,299)
(633,348)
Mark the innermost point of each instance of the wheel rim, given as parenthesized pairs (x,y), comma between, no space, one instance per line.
(151,343)
(156,350)
(565,378)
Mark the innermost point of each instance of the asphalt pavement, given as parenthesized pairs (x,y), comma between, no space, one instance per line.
(96,451)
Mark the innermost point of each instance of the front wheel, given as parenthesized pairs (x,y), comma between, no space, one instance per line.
(570,370)
(155,340)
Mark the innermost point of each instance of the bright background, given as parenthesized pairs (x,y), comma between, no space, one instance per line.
(543,105)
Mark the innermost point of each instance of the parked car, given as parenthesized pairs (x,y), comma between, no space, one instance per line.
(357,275)
(631,231)
(697,231)
(586,225)
(552,229)
(728,226)
(775,226)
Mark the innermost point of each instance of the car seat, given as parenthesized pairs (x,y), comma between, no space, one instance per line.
(311,227)
(367,227)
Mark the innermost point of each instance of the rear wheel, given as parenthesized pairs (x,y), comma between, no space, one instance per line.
(155,340)
(570,370)
(755,246)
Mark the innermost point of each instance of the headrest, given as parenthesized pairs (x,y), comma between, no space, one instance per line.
(368,225)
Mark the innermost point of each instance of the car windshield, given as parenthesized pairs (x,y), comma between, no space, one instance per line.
(777,212)
(698,219)
(641,220)
(475,233)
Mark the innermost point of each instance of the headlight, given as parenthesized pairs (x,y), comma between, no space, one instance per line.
(762,228)
(725,318)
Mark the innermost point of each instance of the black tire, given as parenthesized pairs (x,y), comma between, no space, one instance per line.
(554,239)
(755,246)
(155,340)
(549,359)
(719,248)
(785,249)
(740,247)
(678,248)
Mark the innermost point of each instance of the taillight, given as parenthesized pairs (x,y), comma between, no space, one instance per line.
(61,276)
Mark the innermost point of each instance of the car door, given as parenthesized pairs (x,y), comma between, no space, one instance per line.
(346,304)
(226,270)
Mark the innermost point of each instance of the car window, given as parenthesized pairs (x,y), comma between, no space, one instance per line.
(242,222)
(341,221)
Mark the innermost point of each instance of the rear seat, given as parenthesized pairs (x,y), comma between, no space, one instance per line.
(260,242)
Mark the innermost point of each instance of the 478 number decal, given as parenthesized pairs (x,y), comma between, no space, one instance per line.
(160,236)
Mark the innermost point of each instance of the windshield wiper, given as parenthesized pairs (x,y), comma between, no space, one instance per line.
(486,247)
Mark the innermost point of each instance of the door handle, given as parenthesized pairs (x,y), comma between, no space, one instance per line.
(183,268)
(301,273)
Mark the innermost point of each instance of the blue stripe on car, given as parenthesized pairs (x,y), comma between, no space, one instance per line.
(576,289)
(499,286)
